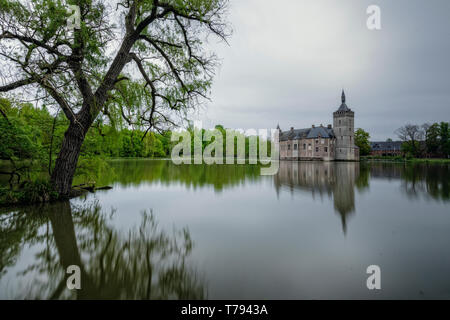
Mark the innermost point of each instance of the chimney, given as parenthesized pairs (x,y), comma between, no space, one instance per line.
(292,128)
(329,126)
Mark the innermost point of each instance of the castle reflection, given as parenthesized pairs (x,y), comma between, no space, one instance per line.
(332,179)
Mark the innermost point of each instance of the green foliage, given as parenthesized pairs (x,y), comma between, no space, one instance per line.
(438,139)
(362,142)
(426,140)
(29,192)
(89,72)
(410,148)
(445,138)
(31,139)
(432,140)
(90,169)
(16,142)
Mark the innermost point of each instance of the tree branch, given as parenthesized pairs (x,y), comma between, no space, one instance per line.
(17,84)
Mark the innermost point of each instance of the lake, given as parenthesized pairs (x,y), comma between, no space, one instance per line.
(226,232)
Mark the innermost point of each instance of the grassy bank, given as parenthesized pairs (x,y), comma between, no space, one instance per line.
(402,159)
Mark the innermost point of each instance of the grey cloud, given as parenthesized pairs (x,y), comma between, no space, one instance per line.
(288,60)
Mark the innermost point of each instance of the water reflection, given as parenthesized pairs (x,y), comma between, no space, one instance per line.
(144,263)
(135,172)
(249,242)
(429,181)
(339,180)
(336,180)
(332,179)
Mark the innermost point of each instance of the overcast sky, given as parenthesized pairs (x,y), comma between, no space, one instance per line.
(288,60)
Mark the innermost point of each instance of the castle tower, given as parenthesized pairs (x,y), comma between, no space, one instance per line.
(344,130)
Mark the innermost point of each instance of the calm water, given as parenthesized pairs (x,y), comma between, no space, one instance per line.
(225,232)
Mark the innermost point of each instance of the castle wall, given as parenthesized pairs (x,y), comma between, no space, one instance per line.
(307,149)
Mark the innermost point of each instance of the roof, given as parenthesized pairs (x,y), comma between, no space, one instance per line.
(308,133)
(344,107)
(386,145)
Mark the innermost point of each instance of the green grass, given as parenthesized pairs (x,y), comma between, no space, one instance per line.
(429,160)
(403,159)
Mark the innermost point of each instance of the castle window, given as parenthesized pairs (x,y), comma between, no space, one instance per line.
(326,149)
(289,147)
(295,146)
(304,146)
(317,141)
(309,146)
(342,137)
(339,121)
(339,130)
(317,149)
(323,141)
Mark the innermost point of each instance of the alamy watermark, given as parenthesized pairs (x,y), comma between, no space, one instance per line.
(74,20)
(73,281)
(235,144)
(374,19)
(374,280)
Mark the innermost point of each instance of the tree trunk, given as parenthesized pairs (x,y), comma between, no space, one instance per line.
(69,254)
(66,162)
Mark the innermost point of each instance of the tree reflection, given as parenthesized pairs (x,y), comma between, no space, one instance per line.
(429,181)
(144,263)
(134,172)
(340,179)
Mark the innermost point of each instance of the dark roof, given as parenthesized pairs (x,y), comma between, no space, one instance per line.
(386,146)
(323,132)
(344,107)
(308,133)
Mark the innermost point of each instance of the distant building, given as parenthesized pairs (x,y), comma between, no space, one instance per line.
(322,143)
(386,148)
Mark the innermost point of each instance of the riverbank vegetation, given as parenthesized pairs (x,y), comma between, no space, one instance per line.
(425,141)
(405,159)
(428,143)
(144,63)
(31,140)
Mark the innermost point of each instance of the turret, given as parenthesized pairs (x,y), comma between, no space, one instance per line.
(344,130)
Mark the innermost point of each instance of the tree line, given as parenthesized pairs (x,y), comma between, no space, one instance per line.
(32,137)
(426,140)
(419,141)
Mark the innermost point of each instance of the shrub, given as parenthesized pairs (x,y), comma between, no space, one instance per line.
(29,192)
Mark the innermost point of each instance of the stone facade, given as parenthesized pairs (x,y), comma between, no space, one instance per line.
(322,143)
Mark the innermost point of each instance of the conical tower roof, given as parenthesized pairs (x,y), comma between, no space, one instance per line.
(343,106)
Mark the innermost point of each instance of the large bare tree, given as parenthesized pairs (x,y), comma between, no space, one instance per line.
(147,55)
(411,134)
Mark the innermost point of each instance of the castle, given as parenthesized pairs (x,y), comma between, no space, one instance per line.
(322,143)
